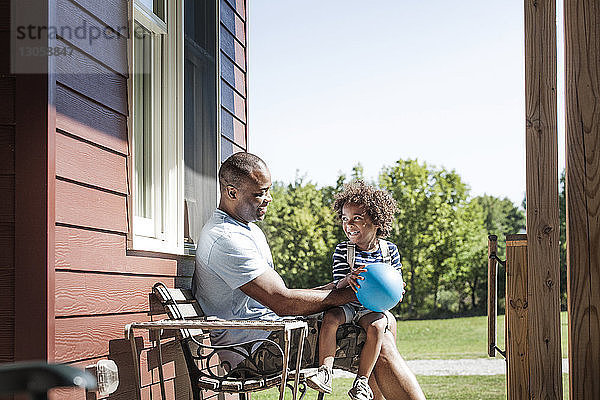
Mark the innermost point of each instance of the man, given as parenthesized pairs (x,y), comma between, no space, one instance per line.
(234,276)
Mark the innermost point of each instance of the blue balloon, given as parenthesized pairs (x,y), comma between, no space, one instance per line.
(382,287)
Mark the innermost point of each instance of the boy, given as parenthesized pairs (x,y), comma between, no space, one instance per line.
(367,216)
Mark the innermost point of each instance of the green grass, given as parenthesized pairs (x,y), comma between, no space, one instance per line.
(473,387)
(564,332)
(444,339)
(454,338)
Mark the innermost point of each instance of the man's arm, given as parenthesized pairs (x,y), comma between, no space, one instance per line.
(270,290)
(330,285)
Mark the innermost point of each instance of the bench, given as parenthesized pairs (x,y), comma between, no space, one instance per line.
(206,372)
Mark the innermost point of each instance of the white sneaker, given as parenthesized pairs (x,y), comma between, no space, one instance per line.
(360,389)
(321,381)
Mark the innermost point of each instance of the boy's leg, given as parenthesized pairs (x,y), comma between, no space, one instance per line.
(374,324)
(322,380)
(332,319)
(377,395)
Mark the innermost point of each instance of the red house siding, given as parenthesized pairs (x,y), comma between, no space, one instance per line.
(98,287)
(87,284)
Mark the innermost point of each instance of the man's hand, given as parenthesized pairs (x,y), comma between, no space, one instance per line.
(330,285)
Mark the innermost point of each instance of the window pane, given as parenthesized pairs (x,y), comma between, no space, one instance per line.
(200,117)
(156,6)
(142,135)
(159,9)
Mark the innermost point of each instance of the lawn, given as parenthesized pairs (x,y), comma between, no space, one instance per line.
(491,387)
(453,338)
(473,387)
(445,339)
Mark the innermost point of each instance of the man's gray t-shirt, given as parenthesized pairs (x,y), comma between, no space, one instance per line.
(229,255)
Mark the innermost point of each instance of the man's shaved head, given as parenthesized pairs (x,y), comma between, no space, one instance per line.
(238,167)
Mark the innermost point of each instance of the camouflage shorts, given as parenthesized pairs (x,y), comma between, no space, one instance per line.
(350,340)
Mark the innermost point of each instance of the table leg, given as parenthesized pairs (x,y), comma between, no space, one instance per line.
(286,356)
(299,361)
(161,374)
(136,362)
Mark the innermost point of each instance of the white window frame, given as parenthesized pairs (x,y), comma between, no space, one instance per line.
(163,231)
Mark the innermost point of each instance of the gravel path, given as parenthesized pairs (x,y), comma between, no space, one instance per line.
(475,366)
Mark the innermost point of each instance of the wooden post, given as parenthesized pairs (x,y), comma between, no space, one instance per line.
(492,293)
(35,176)
(582,69)
(542,200)
(517,305)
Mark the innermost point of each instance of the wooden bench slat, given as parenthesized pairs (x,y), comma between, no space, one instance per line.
(207,384)
(187,310)
(181,295)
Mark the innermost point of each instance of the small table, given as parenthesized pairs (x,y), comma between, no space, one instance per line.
(211,323)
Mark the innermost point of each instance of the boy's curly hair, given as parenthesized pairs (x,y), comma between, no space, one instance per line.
(379,204)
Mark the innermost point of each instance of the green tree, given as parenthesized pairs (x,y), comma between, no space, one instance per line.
(469,277)
(429,199)
(502,217)
(441,235)
(328,193)
(357,172)
(299,227)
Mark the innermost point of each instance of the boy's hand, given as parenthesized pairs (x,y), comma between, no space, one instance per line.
(403,290)
(354,276)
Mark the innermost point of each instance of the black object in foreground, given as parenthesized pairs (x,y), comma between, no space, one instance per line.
(37,377)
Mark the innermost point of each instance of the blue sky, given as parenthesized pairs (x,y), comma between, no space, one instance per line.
(334,83)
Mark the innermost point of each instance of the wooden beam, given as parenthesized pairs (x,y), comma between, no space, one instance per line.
(492,293)
(582,69)
(542,200)
(34,198)
(516,318)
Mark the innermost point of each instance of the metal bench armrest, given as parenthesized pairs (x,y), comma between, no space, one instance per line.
(211,323)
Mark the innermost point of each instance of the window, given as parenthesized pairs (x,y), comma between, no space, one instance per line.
(201,132)
(174,137)
(156,125)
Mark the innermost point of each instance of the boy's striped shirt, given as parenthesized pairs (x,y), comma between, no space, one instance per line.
(340,263)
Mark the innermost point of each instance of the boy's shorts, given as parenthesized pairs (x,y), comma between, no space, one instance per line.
(353,313)
(350,341)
